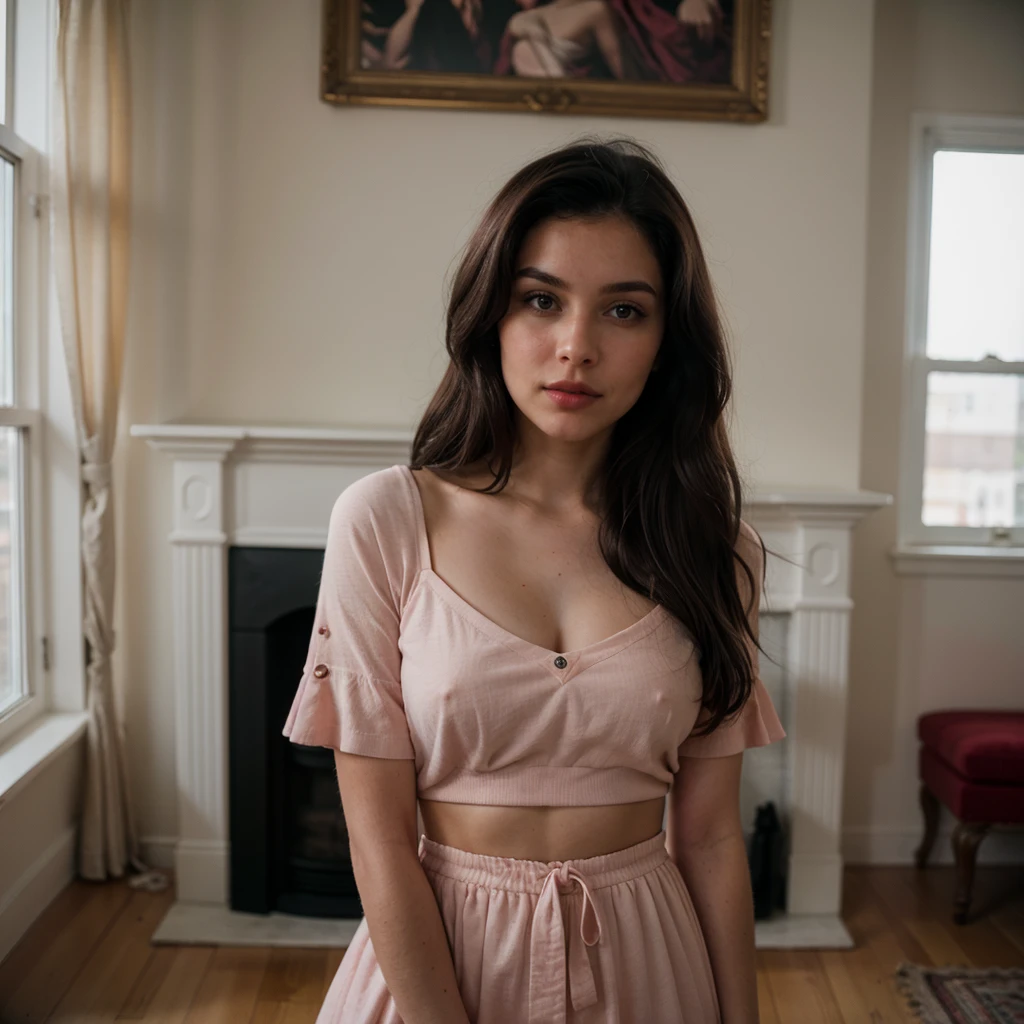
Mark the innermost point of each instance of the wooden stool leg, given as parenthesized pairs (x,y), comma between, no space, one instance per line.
(930,807)
(966,839)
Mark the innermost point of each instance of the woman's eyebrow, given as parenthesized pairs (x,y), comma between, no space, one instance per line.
(556,282)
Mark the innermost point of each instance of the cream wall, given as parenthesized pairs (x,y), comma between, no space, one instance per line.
(322,235)
(291,257)
(919,644)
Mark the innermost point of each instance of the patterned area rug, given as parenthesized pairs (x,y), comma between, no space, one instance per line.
(963,995)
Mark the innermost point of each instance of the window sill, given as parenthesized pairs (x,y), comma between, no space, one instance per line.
(27,752)
(957,560)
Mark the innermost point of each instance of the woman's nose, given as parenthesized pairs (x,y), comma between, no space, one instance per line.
(577,338)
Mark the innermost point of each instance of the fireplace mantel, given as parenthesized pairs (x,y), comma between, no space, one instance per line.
(239,485)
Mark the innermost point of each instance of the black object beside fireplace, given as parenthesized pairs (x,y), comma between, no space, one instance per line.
(289,844)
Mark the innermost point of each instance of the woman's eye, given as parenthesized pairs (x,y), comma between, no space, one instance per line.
(540,296)
(630,308)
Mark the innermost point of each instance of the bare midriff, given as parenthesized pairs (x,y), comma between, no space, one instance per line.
(542,833)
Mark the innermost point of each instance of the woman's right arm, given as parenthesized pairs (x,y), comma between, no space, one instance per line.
(378,797)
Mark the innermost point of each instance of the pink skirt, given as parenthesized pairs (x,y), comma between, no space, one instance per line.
(612,939)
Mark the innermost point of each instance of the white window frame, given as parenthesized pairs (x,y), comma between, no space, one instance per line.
(53,670)
(931,132)
(24,413)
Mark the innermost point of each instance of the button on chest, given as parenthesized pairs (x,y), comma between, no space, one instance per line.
(560,662)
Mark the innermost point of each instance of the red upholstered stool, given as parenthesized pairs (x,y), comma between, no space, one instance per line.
(973,762)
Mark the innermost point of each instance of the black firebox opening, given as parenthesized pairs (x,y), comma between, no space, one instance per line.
(289,844)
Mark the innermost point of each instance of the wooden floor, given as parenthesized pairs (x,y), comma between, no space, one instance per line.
(88,958)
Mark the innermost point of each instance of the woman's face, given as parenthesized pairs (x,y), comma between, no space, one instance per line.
(587,305)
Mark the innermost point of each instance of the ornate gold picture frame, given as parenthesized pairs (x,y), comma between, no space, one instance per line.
(693,59)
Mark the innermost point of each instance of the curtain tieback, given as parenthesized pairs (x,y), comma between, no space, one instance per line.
(97,474)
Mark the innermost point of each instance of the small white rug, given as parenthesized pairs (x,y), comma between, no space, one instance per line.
(207,924)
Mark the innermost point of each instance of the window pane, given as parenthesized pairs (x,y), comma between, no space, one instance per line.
(974,450)
(3,60)
(11,602)
(6,282)
(976,265)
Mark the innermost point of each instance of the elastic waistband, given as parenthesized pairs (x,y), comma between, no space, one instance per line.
(517,875)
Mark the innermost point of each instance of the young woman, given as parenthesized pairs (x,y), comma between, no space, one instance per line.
(543,627)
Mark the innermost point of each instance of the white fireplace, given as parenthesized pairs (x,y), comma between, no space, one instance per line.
(274,487)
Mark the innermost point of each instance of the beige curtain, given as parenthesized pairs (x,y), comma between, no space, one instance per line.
(91,189)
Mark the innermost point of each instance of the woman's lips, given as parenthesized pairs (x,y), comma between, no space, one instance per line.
(570,399)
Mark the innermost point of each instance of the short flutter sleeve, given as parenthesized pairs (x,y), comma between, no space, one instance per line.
(756,724)
(350,693)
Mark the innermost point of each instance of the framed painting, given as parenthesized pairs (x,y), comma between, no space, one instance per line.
(694,59)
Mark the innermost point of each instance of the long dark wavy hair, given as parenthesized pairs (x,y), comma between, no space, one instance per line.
(671,495)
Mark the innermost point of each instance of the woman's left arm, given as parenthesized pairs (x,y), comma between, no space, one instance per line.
(705,840)
(704,835)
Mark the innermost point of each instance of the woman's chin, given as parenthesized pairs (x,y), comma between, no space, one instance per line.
(577,430)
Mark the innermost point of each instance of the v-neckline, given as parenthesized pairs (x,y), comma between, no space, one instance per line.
(575,660)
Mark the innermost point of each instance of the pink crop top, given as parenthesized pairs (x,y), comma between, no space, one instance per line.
(401,666)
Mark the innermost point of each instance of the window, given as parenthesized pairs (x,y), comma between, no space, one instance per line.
(963,443)
(21,229)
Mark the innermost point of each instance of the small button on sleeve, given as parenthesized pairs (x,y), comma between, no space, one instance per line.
(349,696)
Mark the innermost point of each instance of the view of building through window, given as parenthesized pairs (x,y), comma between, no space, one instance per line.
(974,459)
